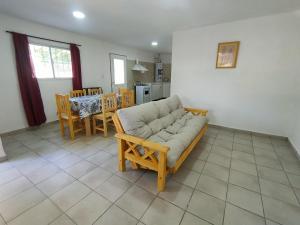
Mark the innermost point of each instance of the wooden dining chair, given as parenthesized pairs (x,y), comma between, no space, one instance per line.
(127,99)
(109,106)
(95,91)
(77,93)
(122,90)
(65,116)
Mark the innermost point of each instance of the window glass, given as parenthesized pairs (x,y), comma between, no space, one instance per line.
(119,70)
(42,61)
(51,62)
(61,63)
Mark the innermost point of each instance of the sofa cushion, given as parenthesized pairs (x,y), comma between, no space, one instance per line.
(140,120)
(181,136)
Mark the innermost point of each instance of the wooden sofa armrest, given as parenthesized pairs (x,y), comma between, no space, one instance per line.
(148,159)
(201,112)
(145,143)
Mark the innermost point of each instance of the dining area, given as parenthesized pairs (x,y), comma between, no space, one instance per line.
(90,110)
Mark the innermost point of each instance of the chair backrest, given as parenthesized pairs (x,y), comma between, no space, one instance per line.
(122,90)
(77,93)
(63,105)
(127,99)
(95,91)
(109,103)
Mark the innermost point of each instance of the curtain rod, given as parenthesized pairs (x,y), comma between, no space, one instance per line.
(46,39)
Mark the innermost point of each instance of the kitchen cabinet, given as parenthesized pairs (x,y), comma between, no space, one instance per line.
(156,91)
(166,89)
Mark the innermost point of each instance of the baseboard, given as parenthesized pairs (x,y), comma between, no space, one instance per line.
(294,148)
(27,128)
(249,131)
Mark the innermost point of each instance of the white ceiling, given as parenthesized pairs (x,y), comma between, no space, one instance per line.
(136,23)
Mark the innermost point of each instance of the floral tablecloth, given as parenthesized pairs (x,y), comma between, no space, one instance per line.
(86,105)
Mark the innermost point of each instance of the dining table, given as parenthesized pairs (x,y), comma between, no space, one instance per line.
(86,106)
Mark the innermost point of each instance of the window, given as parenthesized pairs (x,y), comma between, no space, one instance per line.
(118,69)
(51,62)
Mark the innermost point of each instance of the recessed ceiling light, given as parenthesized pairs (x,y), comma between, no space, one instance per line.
(154,43)
(78,15)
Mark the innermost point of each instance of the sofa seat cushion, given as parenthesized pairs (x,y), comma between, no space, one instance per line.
(180,139)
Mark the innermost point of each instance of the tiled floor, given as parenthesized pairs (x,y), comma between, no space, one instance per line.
(231,178)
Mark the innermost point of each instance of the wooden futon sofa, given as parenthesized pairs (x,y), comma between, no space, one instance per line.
(158,135)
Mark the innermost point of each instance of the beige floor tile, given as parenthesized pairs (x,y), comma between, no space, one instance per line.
(116,216)
(32,166)
(2,221)
(67,161)
(273,175)
(9,175)
(112,149)
(99,157)
(148,181)
(219,159)
(14,206)
(294,179)
(176,193)
(221,151)
(234,216)
(135,201)
(41,214)
(55,183)
(89,209)
(80,169)
(269,222)
(194,164)
(268,162)
(291,166)
(63,220)
(42,173)
(113,188)
(244,180)
(186,177)
(162,213)
(207,207)
(245,199)
(14,187)
(245,167)
(95,177)
(243,156)
(281,212)
(70,195)
(246,143)
(224,143)
(189,219)
(212,186)
(216,171)
(5,166)
(278,191)
(130,174)
(111,164)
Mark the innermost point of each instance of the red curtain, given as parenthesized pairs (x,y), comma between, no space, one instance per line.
(29,87)
(76,67)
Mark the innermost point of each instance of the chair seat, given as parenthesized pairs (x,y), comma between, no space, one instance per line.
(74,117)
(101,115)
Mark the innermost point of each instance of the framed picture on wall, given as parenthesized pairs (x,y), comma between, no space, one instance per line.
(227,54)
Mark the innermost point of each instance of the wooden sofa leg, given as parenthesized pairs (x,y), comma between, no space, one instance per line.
(121,155)
(162,171)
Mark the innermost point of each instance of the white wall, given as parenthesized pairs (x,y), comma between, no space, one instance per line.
(259,94)
(94,62)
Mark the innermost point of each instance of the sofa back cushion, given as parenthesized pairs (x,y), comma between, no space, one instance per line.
(147,119)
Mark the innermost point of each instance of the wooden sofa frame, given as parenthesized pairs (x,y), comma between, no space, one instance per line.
(127,150)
